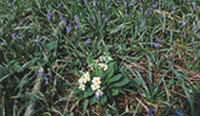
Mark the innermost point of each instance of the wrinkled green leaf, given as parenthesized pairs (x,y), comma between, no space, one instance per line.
(121,83)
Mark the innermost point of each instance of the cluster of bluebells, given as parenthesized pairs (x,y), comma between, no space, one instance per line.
(158,43)
(95,82)
(87,41)
(105,19)
(95,3)
(148,11)
(49,16)
(15,36)
(194,6)
(143,25)
(76,21)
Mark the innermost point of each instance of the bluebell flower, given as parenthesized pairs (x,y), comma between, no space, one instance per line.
(38,39)
(85,1)
(148,11)
(141,9)
(178,113)
(41,71)
(126,13)
(77,26)
(194,5)
(60,5)
(104,17)
(125,4)
(94,3)
(144,85)
(173,11)
(15,36)
(188,1)
(143,25)
(158,43)
(76,18)
(133,2)
(184,22)
(49,16)
(63,20)
(68,28)
(155,6)
(46,80)
(87,41)
(194,29)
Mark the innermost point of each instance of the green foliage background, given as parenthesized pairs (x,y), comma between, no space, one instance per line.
(167,77)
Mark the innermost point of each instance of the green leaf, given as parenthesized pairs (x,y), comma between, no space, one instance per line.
(121,83)
(94,100)
(51,45)
(115,92)
(88,93)
(136,82)
(89,60)
(85,106)
(114,79)
(103,99)
(111,69)
(76,91)
(120,27)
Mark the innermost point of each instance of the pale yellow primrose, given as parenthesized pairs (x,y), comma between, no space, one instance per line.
(82,80)
(96,80)
(95,87)
(87,76)
(104,66)
(82,87)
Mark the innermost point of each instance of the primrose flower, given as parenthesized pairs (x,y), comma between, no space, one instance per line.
(82,80)
(102,58)
(82,87)
(104,66)
(95,87)
(96,80)
(110,58)
(98,93)
(87,76)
